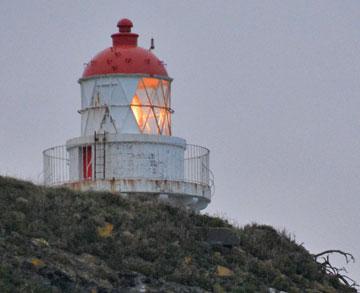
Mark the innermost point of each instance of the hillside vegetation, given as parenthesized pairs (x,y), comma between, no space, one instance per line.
(58,240)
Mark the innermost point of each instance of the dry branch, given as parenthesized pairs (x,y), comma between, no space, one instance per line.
(335,271)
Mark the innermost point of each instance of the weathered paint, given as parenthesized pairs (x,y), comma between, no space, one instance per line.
(131,156)
(193,195)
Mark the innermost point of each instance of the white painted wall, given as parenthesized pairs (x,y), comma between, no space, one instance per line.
(133,156)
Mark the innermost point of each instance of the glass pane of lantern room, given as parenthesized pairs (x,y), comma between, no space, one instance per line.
(140,112)
(166,92)
(150,106)
(158,97)
(151,126)
(166,129)
(142,96)
(160,114)
(150,85)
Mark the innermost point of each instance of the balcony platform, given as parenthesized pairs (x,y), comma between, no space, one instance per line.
(133,164)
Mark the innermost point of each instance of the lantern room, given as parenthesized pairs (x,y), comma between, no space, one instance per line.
(126,104)
(126,144)
(125,89)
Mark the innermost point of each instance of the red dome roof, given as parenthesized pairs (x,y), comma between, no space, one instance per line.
(125,57)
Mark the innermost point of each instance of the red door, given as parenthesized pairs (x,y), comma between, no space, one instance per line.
(87,162)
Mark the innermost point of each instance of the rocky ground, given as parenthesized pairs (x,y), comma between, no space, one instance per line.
(58,240)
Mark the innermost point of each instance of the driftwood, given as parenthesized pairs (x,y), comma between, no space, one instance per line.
(323,258)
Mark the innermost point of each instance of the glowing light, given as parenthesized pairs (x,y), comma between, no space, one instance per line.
(138,112)
(151,106)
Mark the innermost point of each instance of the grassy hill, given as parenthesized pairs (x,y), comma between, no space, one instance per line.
(58,240)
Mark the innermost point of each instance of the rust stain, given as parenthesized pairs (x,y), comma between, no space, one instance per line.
(112,185)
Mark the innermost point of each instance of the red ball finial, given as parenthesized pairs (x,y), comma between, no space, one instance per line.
(125,25)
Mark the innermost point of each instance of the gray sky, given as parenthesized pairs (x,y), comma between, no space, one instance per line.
(271,87)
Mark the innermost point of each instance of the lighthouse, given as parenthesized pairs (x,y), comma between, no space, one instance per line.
(126,144)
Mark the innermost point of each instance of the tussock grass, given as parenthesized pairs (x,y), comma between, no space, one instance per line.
(60,228)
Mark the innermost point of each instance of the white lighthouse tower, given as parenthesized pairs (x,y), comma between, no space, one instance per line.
(126,143)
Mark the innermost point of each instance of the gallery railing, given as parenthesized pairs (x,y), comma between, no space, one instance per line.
(196,166)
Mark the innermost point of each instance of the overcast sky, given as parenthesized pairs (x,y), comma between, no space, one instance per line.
(271,87)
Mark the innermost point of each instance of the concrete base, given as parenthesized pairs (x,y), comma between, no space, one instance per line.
(190,195)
